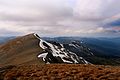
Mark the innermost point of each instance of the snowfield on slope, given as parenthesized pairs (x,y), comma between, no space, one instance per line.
(56,53)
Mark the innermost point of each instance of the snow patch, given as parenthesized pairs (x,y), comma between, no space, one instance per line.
(58,52)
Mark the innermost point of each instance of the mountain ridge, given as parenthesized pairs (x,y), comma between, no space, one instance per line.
(32,49)
(58,54)
(27,50)
(19,50)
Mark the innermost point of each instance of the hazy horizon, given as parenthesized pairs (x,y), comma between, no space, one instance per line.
(5,36)
(54,18)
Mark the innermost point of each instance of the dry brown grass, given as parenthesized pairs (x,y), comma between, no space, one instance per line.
(63,72)
(20,50)
(23,51)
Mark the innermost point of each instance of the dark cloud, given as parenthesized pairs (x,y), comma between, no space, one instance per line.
(114,23)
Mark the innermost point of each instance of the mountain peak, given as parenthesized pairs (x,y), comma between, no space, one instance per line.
(31,49)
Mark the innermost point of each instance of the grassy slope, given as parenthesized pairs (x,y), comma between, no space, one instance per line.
(21,50)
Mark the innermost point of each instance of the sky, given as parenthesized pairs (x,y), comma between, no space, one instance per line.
(89,18)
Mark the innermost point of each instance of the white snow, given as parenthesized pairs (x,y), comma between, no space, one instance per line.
(66,61)
(43,56)
(62,45)
(72,45)
(84,61)
(92,53)
(62,50)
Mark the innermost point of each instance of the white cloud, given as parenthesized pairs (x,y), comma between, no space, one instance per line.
(21,10)
(96,9)
(56,17)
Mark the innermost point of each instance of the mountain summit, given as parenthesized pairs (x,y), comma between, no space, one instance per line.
(31,49)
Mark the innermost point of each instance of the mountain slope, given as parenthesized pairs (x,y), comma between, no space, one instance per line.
(20,50)
(31,49)
(61,72)
(105,50)
(57,53)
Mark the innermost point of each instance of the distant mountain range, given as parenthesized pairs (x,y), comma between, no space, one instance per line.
(105,50)
(100,46)
(5,39)
(32,49)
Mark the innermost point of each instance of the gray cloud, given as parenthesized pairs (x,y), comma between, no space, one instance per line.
(56,17)
(5,32)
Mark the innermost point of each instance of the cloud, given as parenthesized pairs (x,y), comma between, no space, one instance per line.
(5,32)
(115,23)
(96,9)
(37,10)
(57,17)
